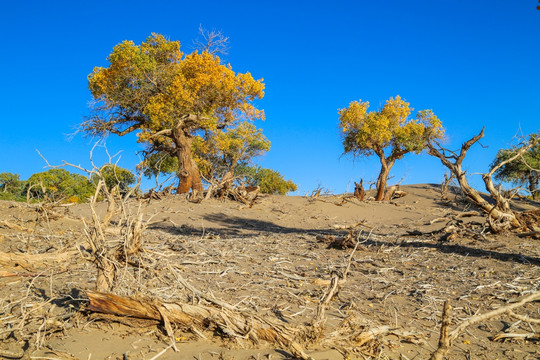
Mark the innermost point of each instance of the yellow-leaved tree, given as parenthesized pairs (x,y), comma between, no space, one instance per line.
(220,153)
(169,98)
(389,133)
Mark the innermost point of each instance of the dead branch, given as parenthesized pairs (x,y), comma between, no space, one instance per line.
(524,318)
(444,340)
(448,177)
(393,192)
(501,211)
(12,226)
(319,319)
(529,336)
(34,262)
(447,338)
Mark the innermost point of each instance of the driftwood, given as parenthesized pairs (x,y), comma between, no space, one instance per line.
(158,195)
(35,261)
(339,242)
(233,324)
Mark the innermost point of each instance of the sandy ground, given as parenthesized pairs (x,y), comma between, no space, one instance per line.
(274,260)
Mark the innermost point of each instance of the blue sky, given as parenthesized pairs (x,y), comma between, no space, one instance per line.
(475,63)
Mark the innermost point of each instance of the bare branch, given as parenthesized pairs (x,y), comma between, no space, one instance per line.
(213,42)
(519,154)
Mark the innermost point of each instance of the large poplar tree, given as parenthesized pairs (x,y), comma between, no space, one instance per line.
(169,98)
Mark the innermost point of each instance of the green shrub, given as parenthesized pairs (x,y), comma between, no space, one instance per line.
(270,181)
(60,185)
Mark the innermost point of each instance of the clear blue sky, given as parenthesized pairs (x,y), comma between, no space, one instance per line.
(475,63)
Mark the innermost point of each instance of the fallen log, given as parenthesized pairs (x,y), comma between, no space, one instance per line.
(233,324)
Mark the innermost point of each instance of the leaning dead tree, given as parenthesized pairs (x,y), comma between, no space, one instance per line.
(500,214)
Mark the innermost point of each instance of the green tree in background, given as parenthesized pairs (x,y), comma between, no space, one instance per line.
(524,171)
(269,181)
(11,187)
(60,185)
(115,176)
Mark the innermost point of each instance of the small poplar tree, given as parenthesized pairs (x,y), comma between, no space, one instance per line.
(389,133)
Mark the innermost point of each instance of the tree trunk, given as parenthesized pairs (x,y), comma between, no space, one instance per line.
(381,184)
(226,184)
(533,187)
(383,177)
(188,173)
(230,321)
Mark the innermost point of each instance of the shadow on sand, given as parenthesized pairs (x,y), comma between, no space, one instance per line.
(234,226)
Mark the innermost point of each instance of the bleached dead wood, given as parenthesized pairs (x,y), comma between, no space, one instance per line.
(528,336)
(12,226)
(35,261)
(235,324)
(447,338)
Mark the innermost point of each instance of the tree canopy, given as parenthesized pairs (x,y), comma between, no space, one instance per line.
(169,98)
(389,133)
(525,171)
(11,187)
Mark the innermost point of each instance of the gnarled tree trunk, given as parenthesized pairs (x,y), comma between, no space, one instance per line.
(188,173)
(533,187)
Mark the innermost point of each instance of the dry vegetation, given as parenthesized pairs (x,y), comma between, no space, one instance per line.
(327,277)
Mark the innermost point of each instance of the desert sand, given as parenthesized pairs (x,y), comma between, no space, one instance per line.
(274,260)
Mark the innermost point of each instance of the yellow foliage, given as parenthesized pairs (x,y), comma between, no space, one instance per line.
(226,149)
(154,85)
(391,127)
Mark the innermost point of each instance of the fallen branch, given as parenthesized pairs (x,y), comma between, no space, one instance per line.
(9,225)
(35,261)
(529,336)
(234,324)
(446,339)
(524,318)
